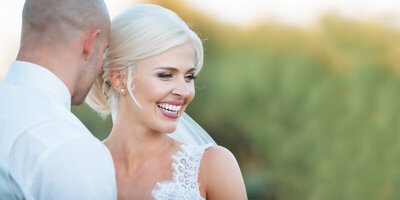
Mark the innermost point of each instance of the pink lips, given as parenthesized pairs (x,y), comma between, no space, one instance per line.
(169,115)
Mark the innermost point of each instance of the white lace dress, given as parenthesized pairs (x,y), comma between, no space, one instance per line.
(184,185)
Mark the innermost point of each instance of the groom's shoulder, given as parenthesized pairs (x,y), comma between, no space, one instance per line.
(53,132)
(59,156)
(54,135)
(26,105)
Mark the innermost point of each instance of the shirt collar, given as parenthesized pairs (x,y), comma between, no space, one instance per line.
(36,76)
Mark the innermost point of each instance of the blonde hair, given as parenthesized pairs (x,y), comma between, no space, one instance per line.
(137,33)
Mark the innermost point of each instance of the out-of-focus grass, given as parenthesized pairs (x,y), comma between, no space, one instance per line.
(310,113)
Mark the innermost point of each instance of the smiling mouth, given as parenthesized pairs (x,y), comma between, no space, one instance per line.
(169,108)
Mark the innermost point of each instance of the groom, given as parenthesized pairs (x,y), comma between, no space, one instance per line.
(45,151)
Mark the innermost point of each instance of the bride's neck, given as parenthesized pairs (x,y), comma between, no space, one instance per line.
(131,143)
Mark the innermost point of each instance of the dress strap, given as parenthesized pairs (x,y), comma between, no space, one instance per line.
(185,165)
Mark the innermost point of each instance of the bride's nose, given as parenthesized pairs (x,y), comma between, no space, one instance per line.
(182,89)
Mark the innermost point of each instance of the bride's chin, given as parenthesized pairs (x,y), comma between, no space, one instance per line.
(166,125)
(163,126)
(167,128)
(170,129)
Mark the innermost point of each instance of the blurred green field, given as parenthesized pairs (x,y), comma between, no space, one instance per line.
(310,113)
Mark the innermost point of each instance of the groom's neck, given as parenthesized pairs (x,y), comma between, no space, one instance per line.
(59,63)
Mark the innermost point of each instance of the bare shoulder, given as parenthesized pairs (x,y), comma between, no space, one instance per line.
(221,175)
(218,156)
(218,160)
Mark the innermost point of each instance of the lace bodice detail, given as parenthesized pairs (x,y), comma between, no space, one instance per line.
(184,185)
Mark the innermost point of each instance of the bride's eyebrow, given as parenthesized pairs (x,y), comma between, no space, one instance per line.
(191,70)
(173,69)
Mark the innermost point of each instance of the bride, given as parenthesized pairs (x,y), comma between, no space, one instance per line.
(146,84)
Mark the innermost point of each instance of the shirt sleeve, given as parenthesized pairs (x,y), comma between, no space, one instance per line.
(58,161)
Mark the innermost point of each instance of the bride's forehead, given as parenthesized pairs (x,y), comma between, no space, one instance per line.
(172,63)
(179,51)
(169,68)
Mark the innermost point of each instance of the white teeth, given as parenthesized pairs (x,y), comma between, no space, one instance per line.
(168,108)
(167,111)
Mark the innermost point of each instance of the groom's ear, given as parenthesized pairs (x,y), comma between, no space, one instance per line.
(89,41)
(117,80)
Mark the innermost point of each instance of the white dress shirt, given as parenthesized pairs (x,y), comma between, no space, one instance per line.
(45,151)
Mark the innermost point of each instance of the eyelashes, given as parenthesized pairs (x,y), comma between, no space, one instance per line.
(167,76)
(164,75)
(191,76)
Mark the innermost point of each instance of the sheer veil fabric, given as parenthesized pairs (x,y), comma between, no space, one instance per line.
(189,132)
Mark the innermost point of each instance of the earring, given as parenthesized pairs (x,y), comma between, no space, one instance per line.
(123,91)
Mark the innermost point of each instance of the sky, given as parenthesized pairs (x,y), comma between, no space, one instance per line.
(238,12)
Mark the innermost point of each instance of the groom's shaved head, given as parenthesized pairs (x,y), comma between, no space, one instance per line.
(68,37)
(57,21)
